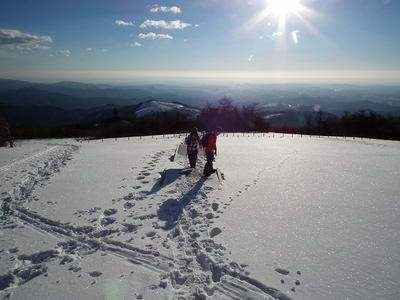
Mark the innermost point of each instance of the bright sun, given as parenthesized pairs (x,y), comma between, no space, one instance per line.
(281,8)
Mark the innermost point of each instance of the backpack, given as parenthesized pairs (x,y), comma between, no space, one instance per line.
(192,141)
(204,140)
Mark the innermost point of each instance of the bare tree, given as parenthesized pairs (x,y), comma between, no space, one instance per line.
(5,134)
(309,123)
(318,119)
(249,115)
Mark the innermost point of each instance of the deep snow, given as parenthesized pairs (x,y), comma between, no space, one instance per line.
(297,217)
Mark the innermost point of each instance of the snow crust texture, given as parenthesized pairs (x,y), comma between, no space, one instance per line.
(295,218)
(163,229)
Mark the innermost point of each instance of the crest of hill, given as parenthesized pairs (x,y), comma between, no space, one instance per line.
(153,106)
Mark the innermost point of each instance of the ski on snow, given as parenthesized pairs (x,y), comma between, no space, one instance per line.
(220,176)
(198,173)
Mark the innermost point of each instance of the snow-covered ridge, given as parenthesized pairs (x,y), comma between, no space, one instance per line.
(153,106)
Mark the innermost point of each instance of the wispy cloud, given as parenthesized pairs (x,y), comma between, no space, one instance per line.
(152,35)
(164,36)
(11,37)
(172,9)
(89,49)
(164,25)
(36,46)
(64,52)
(136,44)
(123,23)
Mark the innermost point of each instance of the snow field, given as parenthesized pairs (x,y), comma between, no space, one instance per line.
(297,218)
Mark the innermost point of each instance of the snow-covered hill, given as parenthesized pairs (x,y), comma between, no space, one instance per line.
(297,217)
(153,107)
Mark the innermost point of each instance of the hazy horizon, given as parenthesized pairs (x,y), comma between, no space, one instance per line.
(192,80)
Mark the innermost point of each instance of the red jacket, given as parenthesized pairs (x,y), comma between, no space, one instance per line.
(212,142)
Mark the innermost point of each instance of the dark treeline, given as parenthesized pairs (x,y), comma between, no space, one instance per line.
(159,123)
(232,118)
(364,123)
(225,114)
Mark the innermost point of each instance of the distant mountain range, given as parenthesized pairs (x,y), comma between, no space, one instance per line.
(67,102)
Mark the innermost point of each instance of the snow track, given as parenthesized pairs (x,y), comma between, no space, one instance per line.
(37,170)
(190,264)
(20,162)
(89,219)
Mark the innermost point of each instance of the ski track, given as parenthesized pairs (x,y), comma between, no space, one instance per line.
(19,162)
(188,259)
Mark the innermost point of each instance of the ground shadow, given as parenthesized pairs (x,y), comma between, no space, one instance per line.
(168,176)
(171,210)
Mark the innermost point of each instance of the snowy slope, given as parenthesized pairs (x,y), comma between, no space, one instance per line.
(152,107)
(296,218)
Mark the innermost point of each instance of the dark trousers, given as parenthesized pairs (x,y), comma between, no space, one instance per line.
(192,155)
(208,167)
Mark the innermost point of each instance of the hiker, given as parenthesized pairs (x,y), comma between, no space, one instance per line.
(210,146)
(192,142)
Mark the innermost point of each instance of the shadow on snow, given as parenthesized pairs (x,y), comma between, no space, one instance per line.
(171,210)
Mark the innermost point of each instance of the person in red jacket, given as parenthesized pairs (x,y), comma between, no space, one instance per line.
(211,150)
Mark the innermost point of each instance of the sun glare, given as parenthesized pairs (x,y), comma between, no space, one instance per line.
(281,8)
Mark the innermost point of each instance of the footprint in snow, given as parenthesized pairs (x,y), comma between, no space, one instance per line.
(95,274)
(110,211)
(107,221)
(215,231)
(282,271)
(128,205)
(215,206)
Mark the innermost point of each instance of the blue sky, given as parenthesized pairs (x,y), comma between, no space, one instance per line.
(128,41)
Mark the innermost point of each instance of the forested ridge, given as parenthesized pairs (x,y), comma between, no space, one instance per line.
(232,118)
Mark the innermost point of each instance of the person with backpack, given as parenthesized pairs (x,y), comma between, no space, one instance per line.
(192,142)
(209,143)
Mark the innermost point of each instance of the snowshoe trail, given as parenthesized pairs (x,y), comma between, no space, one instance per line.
(183,252)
